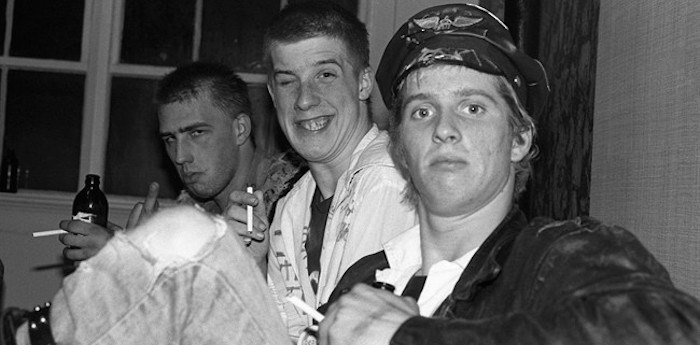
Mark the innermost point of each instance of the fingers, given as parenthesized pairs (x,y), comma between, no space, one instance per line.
(150,205)
(83,240)
(366,315)
(134,216)
(73,240)
(76,226)
(75,254)
(113,227)
(237,216)
(144,210)
(260,209)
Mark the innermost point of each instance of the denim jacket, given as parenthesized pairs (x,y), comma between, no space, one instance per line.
(569,282)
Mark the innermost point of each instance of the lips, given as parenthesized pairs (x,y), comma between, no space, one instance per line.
(189,177)
(315,124)
(448,162)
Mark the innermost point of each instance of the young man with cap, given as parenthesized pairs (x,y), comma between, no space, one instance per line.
(474,271)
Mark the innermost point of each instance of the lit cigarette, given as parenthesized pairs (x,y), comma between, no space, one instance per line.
(48,233)
(249,208)
(306,308)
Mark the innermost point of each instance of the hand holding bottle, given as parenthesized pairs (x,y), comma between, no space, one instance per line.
(88,231)
(83,239)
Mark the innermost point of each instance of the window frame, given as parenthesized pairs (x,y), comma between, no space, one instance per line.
(99,62)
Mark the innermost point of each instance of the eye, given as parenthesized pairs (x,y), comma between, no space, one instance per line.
(284,80)
(196,133)
(422,112)
(327,75)
(473,108)
(167,139)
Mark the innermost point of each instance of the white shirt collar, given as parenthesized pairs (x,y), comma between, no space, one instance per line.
(404,257)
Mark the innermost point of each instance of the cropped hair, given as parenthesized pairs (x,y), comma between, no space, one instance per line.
(227,90)
(519,121)
(311,19)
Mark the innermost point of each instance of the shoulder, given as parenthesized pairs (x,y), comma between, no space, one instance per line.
(376,152)
(375,168)
(582,230)
(281,172)
(362,271)
(584,250)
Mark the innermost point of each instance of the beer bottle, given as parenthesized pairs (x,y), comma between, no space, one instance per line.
(8,175)
(90,205)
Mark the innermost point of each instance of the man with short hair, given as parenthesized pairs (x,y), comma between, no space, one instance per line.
(348,203)
(474,270)
(205,121)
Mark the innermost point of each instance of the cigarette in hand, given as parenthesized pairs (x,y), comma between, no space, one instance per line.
(48,233)
(249,209)
(306,308)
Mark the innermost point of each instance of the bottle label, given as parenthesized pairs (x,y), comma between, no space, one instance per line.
(85,217)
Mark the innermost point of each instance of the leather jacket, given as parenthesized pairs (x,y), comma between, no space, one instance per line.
(547,282)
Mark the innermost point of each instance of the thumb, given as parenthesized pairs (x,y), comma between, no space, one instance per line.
(261,208)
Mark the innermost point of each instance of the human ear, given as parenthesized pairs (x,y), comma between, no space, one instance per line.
(521,144)
(366,83)
(244,127)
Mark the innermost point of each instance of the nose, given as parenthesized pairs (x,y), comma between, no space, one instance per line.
(446,130)
(182,152)
(307,96)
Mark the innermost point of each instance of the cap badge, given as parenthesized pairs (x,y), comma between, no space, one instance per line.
(446,23)
(430,56)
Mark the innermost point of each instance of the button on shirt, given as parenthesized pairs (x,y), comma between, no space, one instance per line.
(404,257)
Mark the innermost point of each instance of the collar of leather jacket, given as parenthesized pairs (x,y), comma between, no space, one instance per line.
(484,266)
(489,258)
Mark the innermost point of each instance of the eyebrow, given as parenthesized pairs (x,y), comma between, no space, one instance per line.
(186,129)
(331,61)
(464,92)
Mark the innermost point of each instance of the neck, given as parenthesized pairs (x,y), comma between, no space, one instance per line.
(245,175)
(326,175)
(449,238)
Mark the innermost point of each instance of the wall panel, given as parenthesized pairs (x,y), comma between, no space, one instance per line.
(646,147)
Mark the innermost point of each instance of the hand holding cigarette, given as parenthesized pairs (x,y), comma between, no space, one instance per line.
(82,239)
(246,215)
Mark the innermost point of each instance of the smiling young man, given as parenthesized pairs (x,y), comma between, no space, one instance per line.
(474,271)
(348,203)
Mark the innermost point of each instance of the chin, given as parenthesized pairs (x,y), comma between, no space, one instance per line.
(198,192)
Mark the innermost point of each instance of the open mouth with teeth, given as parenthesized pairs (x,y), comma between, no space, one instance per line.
(315,124)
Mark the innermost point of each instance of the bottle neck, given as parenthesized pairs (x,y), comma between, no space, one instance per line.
(92,181)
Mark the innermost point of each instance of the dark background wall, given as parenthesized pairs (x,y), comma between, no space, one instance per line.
(562,34)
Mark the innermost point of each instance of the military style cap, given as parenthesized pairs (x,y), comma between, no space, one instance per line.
(466,35)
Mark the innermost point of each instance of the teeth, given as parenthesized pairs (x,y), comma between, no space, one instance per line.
(315,124)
